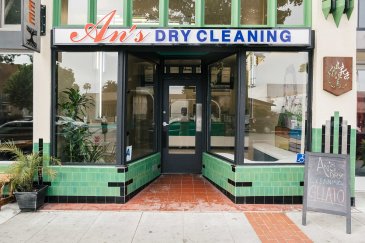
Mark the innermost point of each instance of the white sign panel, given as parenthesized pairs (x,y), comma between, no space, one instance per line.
(91,35)
(128,153)
(31,23)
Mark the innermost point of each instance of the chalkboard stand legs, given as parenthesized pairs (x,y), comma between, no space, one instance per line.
(304,217)
(348,224)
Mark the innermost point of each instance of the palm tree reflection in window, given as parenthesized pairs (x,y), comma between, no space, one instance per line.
(290,12)
(146,11)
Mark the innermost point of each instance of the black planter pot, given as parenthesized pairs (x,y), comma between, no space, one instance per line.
(31,201)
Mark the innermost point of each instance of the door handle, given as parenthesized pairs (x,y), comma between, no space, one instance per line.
(198,117)
(165,124)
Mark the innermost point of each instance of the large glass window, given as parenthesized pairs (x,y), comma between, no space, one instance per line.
(217,12)
(16,101)
(106,6)
(182,12)
(11,12)
(74,12)
(361,14)
(254,12)
(141,128)
(146,12)
(290,12)
(223,75)
(276,106)
(87,107)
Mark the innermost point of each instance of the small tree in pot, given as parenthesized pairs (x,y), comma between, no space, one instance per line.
(23,172)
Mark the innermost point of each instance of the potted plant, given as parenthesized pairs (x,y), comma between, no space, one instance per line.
(74,132)
(24,170)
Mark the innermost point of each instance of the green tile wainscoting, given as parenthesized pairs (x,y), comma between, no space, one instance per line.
(264,184)
(102,184)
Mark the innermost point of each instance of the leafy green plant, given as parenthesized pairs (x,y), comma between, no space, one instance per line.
(75,104)
(78,143)
(75,142)
(95,151)
(23,170)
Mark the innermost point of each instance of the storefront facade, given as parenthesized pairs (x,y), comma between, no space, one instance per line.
(231,90)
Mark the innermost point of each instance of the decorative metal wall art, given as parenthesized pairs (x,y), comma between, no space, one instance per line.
(337,75)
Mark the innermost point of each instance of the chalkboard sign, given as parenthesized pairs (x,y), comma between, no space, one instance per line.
(327,185)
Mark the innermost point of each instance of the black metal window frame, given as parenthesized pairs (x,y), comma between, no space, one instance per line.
(121,103)
(241,100)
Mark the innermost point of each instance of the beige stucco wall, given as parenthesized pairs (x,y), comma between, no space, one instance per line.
(332,41)
(42,83)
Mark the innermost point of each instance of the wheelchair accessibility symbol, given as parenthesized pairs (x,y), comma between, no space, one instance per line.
(301,158)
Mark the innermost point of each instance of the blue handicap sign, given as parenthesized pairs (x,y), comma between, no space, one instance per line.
(300,158)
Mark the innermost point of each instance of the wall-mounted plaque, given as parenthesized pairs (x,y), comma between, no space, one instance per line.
(337,75)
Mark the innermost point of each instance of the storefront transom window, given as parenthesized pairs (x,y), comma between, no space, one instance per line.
(254,12)
(217,12)
(146,12)
(181,12)
(11,11)
(74,12)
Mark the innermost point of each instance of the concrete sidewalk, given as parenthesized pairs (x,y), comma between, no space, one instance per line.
(332,228)
(88,226)
(182,226)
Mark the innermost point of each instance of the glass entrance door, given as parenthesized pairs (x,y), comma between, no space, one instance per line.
(182,124)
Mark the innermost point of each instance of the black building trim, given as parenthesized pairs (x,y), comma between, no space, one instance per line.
(340,136)
(240,106)
(122,169)
(332,133)
(240,184)
(259,199)
(85,199)
(233,168)
(99,199)
(122,185)
(121,104)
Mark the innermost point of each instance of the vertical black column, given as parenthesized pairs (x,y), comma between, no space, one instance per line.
(54,98)
(206,106)
(240,108)
(121,108)
(40,151)
(308,123)
(158,105)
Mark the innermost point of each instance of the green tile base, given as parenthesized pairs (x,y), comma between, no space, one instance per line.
(103,181)
(263,181)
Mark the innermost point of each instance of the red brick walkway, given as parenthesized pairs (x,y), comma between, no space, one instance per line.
(194,193)
(275,227)
(178,193)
